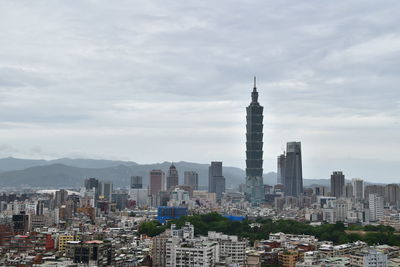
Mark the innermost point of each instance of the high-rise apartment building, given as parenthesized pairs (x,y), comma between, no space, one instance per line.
(136,182)
(337,184)
(375,207)
(348,190)
(61,197)
(216,181)
(157,182)
(392,194)
(172,178)
(254,150)
(281,169)
(358,188)
(374,189)
(191,178)
(293,181)
(106,190)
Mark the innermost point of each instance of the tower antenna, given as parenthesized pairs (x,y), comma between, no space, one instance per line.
(255,79)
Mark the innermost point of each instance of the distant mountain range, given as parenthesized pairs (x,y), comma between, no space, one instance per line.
(70,173)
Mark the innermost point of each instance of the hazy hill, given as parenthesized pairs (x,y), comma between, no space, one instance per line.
(67,172)
(13,164)
(62,175)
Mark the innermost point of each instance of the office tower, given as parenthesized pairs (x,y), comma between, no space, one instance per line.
(358,188)
(375,207)
(157,182)
(293,181)
(136,182)
(254,150)
(39,207)
(192,178)
(348,190)
(106,190)
(61,197)
(392,194)
(120,199)
(337,184)
(216,182)
(172,178)
(20,223)
(281,169)
(91,183)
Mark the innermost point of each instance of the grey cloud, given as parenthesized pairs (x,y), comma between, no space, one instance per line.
(131,73)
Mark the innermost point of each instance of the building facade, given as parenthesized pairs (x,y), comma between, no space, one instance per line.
(157,182)
(136,182)
(337,184)
(293,181)
(358,188)
(216,181)
(191,178)
(254,150)
(172,177)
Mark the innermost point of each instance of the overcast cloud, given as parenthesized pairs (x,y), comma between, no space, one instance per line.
(153,81)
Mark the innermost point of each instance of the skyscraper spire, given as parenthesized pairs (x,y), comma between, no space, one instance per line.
(254,94)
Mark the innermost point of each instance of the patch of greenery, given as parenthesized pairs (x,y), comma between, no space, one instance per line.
(326,232)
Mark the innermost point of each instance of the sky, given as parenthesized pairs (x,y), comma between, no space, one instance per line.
(154,81)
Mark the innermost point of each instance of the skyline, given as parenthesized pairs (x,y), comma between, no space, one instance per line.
(326,76)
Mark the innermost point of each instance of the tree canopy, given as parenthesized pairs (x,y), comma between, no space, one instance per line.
(325,232)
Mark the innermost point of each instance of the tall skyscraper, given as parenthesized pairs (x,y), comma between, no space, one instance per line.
(192,178)
(293,181)
(157,182)
(172,178)
(337,184)
(136,182)
(281,169)
(254,150)
(358,188)
(216,181)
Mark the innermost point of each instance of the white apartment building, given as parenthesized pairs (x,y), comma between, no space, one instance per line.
(191,253)
(230,247)
(376,207)
(369,258)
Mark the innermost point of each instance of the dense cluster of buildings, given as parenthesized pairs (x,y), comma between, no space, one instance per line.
(97,225)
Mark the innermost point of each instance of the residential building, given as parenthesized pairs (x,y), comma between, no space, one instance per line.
(358,188)
(369,258)
(376,207)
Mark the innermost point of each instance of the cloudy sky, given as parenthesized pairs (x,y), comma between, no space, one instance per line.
(153,81)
